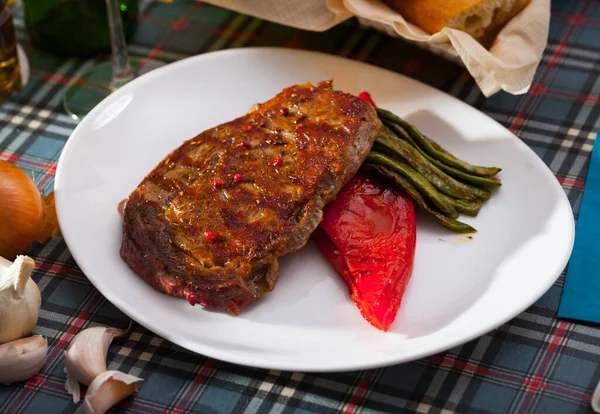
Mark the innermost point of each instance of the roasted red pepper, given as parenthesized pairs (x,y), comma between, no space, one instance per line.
(366,96)
(368,234)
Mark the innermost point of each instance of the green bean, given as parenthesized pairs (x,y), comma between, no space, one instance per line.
(435,150)
(491,170)
(468,207)
(444,183)
(416,179)
(481,182)
(472,181)
(450,223)
(401,133)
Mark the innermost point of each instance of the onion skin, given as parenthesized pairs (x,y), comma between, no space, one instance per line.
(21,210)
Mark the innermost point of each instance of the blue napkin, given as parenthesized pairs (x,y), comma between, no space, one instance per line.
(581,293)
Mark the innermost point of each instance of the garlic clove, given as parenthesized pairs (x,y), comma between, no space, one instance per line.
(20,298)
(72,387)
(108,389)
(22,359)
(86,356)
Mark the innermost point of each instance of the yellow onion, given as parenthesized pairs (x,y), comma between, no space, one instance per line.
(21,210)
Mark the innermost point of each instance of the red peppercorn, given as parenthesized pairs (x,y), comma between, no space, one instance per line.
(248,128)
(245,144)
(237,178)
(217,184)
(210,236)
(278,162)
(283,111)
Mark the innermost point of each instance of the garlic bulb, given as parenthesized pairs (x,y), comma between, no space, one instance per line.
(22,359)
(20,298)
(86,356)
(108,389)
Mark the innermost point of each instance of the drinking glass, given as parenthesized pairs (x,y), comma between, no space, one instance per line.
(88,90)
(10,71)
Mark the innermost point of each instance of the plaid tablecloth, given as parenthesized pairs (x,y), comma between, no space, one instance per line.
(535,363)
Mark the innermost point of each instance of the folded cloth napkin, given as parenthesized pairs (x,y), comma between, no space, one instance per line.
(581,293)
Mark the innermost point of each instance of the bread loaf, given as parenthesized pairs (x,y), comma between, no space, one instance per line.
(477,17)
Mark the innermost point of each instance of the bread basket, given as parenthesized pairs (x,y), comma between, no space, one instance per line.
(509,64)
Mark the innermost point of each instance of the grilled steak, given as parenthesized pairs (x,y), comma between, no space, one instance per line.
(209,222)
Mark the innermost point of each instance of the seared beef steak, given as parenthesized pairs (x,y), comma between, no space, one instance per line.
(209,222)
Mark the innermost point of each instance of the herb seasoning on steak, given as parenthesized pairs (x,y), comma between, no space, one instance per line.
(209,222)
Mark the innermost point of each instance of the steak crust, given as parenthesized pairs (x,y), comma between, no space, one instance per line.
(195,229)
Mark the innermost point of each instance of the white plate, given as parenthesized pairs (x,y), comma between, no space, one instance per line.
(460,288)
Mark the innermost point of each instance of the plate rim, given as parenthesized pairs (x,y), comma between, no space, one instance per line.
(246,360)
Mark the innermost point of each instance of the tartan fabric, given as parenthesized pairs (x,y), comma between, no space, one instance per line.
(533,364)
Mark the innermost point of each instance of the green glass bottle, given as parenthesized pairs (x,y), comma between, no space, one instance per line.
(75,27)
